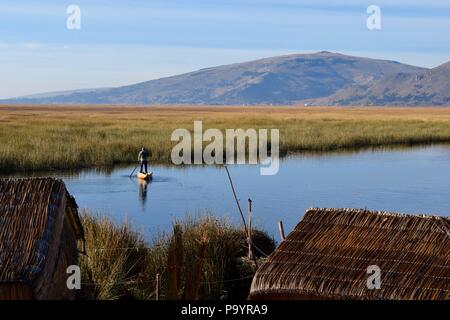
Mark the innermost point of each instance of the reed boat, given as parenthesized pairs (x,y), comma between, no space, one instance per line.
(144,176)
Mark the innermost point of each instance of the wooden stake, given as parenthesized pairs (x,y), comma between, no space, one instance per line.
(281,229)
(249,239)
(193,284)
(158,286)
(174,264)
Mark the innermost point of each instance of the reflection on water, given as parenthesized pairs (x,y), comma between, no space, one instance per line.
(143,184)
(402,180)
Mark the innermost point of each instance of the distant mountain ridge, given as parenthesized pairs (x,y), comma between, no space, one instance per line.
(321,78)
(59,93)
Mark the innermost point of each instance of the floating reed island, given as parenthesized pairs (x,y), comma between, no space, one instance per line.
(329,253)
(39,233)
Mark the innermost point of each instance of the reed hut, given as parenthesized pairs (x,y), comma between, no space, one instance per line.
(39,233)
(328,254)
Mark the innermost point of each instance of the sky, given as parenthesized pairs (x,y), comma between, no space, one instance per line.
(125,42)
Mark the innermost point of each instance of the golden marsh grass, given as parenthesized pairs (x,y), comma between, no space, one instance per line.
(59,137)
(119,264)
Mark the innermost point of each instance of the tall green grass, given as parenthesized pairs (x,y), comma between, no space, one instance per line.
(119,264)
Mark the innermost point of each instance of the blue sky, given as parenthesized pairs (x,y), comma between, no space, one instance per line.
(123,42)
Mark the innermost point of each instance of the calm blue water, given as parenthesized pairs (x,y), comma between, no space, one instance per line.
(407,180)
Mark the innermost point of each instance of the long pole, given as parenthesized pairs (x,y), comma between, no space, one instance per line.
(133,170)
(240,211)
(237,201)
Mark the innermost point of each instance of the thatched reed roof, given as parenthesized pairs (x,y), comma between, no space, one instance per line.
(328,252)
(29,212)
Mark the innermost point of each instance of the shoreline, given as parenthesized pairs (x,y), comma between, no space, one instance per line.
(309,153)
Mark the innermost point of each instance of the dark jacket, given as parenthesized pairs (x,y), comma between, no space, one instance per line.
(143,155)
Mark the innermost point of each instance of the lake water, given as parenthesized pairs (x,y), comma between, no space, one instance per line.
(404,180)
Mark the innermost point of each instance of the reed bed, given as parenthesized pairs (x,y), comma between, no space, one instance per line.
(120,265)
(57,137)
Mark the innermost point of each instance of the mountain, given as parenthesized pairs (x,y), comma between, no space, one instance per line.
(426,87)
(317,78)
(60,93)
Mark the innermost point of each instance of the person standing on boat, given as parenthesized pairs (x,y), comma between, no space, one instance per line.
(143,159)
